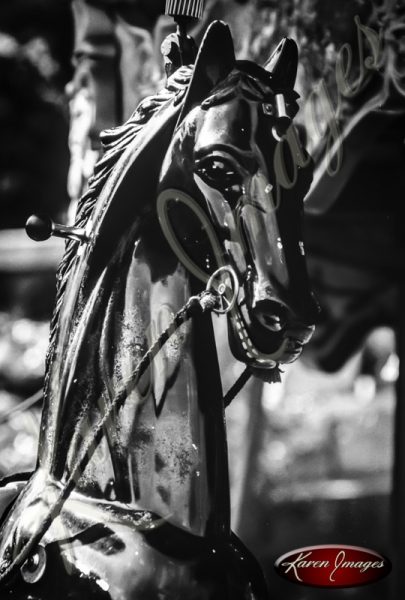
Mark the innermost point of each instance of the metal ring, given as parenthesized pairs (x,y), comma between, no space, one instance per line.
(221,289)
(276,135)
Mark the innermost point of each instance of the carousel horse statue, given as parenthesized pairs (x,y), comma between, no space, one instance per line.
(188,212)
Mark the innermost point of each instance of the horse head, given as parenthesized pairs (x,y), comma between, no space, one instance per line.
(231,194)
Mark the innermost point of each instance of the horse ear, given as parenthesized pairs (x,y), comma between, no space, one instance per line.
(215,60)
(283,64)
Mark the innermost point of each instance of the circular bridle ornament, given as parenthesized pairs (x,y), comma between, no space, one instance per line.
(217,283)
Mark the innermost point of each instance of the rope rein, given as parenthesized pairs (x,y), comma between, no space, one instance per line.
(204,302)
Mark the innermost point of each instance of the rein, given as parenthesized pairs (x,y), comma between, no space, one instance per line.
(207,301)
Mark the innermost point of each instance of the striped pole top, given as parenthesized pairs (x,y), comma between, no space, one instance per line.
(185,8)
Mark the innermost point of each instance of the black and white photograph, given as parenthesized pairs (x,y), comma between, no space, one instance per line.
(202,345)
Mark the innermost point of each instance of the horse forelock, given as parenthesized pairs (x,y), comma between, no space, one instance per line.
(247,80)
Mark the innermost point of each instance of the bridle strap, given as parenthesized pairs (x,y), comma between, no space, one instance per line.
(237,386)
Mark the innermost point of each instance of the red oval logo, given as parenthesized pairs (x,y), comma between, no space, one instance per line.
(334,566)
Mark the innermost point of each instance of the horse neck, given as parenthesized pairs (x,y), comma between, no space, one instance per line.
(165,449)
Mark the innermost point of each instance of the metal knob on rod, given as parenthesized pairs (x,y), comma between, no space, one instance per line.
(41,228)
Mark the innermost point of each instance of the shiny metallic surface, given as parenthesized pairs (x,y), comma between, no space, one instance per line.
(228,290)
(41,228)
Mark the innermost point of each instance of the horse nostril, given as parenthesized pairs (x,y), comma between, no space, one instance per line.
(273,323)
(272,315)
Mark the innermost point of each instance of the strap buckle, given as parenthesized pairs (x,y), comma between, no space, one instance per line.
(221,282)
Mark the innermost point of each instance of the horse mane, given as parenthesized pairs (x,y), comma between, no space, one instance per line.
(114,142)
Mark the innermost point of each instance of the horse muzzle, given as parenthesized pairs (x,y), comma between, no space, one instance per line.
(265,331)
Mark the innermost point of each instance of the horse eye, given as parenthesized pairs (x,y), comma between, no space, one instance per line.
(34,567)
(219,173)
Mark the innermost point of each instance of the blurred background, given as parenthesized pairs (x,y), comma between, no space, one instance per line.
(315,459)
